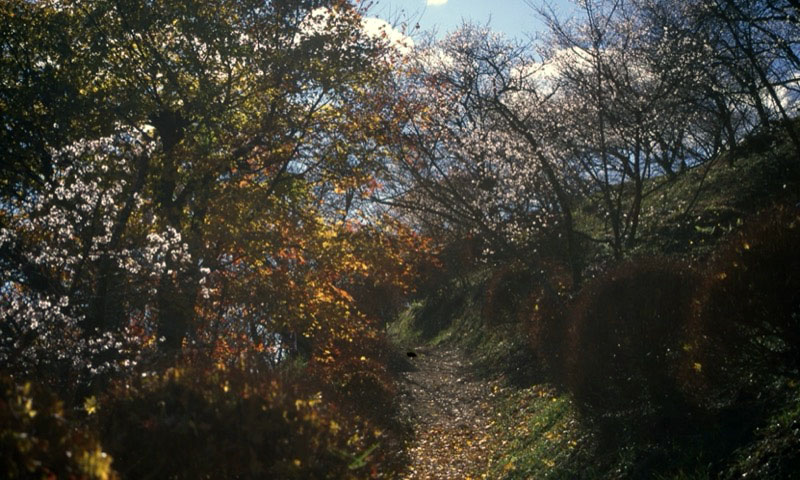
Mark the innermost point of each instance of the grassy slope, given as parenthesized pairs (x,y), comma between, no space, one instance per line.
(687,215)
(538,432)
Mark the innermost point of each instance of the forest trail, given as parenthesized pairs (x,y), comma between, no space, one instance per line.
(449,407)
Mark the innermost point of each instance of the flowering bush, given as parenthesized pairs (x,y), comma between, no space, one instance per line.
(64,247)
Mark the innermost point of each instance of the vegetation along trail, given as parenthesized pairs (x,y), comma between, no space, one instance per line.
(449,408)
(220,219)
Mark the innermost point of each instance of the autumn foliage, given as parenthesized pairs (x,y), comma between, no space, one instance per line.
(624,338)
(195,253)
(546,320)
(226,423)
(41,438)
(210,209)
(656,336)
(506,292)
(746,319)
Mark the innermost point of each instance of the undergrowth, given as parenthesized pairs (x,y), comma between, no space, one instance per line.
(540,430)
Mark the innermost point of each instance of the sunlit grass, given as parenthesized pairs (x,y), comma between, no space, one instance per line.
(536,434)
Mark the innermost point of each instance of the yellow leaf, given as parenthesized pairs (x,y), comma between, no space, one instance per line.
(90,405)
(96,463)
(29,408)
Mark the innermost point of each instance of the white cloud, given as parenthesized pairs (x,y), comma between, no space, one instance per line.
(544,76)
(789,98)
(319,22)
(377,28)
(436,2)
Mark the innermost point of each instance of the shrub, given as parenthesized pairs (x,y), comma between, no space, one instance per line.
(625,335)
(746,318)
(456,259)
(505,294)
(37,439)
(544,314)
(357,377)
(546,322)
(189,423)
(354,374)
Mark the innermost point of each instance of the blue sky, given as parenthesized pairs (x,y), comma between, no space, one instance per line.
(515,18)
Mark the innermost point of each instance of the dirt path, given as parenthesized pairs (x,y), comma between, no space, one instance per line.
(449,409)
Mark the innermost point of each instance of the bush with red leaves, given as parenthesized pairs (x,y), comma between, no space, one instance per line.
(746,320)
(625,338)
(507,289)
(546,313)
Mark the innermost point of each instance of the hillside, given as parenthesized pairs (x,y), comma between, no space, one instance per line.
(540,426)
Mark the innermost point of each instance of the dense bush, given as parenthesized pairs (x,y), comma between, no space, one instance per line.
(506,292)
(226,423)
(455,259)
(544,314)
(546,321)
(356,375)
(39,440)
(625,337)
(746,320)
